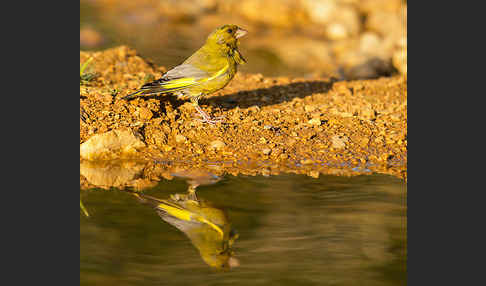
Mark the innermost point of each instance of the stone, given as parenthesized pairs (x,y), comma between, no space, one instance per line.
(114,144)
(315,121)
(336,31)
(145,113)
(339,142)
(314,174)
(217,144)
(180,138)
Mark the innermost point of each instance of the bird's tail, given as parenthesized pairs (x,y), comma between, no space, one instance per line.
(163,205)
(146,199)
(165,208)
(133,95)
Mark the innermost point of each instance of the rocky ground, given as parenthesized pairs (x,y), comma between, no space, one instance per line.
(272,125)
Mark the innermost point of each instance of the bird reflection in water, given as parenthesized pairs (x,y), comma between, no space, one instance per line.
(206,226)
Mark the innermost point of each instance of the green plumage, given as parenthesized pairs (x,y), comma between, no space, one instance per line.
(208,70)
(206,226)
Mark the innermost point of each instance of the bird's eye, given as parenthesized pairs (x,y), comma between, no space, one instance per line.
(230,31)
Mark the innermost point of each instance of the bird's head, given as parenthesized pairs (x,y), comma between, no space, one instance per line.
(226,36)
(225,40)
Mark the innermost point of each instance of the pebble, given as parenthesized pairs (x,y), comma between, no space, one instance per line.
(315,121)
(167,148)
(336,31)
(145,113)
(180,138)
(309,108)
(314,174)
(217,144)
(307,161)
(339,142)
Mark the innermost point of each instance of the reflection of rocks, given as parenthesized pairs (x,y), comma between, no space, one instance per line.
(197,177)
(115,144)
(142,174)
(106,174)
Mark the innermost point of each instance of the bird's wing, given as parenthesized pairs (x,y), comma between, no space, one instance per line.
(182,225)
(167,209)
(185,71)
(174,210)
(180,77)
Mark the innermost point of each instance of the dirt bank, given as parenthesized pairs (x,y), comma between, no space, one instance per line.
(272,125)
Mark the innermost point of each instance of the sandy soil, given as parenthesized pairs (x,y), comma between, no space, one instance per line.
(272,125)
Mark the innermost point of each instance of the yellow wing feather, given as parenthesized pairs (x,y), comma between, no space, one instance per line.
(176,212)
(190,81)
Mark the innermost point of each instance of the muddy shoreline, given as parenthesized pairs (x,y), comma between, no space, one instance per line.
(272,125)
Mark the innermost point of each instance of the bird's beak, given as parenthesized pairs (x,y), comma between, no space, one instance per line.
(240,33)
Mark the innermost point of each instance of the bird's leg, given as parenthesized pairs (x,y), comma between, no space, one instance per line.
(205,117)
(192,192)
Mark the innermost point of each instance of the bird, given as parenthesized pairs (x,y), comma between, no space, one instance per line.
(206,71)
(207,227)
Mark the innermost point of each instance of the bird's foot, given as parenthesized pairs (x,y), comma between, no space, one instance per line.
(206,118)
(210,120)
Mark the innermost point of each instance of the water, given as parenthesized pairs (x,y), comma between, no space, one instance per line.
(293,230)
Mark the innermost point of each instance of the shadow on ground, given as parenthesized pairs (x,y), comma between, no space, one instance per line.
(243,99)
(269,96)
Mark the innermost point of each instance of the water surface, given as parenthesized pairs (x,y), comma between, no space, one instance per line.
(293,230)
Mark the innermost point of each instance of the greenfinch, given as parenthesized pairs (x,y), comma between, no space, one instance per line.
(206,226)
(208,70)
